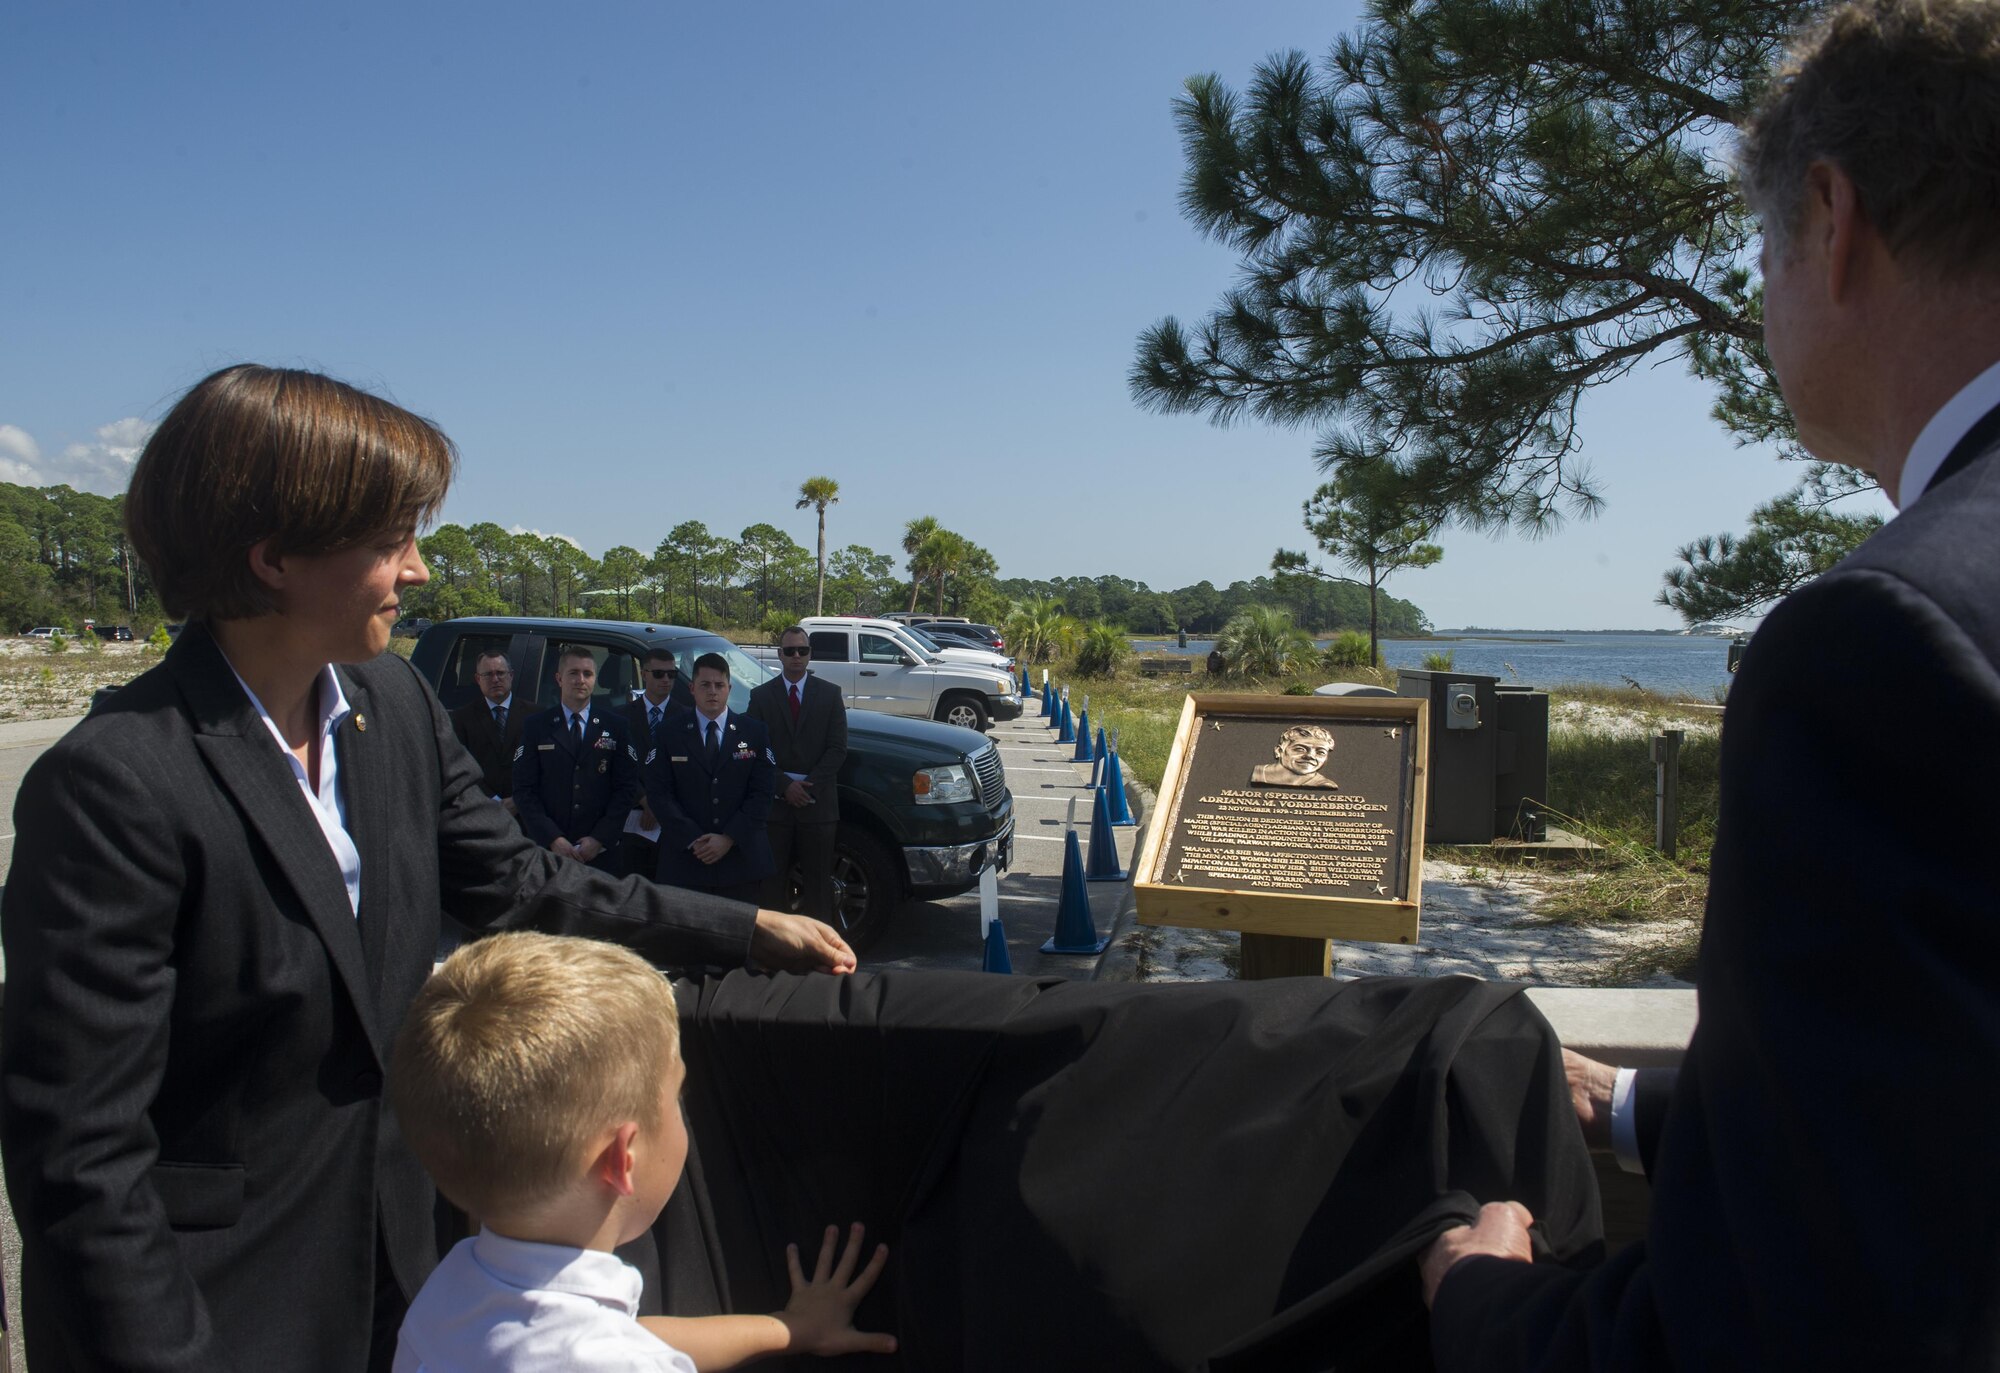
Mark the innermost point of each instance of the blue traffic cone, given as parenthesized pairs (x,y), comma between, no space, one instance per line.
(1065,726)
(1099,754)
(1083,753)
(1075,932)
(1053,717)
(1027,688)
(1103,864)
(995,959)
(1048,702)
(1114,788)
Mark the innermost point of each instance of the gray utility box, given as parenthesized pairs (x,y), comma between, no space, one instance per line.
(1489,763)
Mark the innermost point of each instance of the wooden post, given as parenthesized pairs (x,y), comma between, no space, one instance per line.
(1283,955)
(1667,791)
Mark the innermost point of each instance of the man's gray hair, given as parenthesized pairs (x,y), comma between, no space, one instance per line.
(1904,97)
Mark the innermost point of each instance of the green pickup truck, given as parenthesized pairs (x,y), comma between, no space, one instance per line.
(895,844)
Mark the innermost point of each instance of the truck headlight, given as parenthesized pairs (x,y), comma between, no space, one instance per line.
(942,786)
(1006,686)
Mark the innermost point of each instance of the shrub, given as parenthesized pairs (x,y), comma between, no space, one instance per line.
(58,642)
(1299,689)
(776,622)
(1103,648)
(159,640)
(1260,641)
(1348,649)
(1438,662)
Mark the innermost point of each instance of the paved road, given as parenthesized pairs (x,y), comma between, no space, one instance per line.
(930,934)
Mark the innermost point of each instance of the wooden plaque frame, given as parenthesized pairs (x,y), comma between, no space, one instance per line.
(1291,915)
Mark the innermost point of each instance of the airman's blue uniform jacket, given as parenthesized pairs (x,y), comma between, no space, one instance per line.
(563,793)
(690,799)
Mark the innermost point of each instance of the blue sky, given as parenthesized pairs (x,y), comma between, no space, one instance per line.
(654,262)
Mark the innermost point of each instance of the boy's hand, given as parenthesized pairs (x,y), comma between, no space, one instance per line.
(820,1315)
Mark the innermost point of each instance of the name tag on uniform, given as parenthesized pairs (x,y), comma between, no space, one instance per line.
(677,758)
(542,746)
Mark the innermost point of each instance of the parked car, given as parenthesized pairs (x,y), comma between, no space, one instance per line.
(970,635)
(409,627)
(924,807)
(42,632)
(116,634)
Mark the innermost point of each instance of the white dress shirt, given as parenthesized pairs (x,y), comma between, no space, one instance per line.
(1937,438)
(329,807)
(499,1305)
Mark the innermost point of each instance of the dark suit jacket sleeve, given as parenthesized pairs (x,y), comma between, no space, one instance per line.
(492,877)
(1652,1089)
(626,788)
(89,931)
(825,775)
(535,821)
(677,828)
(746,825)
(1821,1197)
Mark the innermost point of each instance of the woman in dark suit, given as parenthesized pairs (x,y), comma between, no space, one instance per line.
(226,888)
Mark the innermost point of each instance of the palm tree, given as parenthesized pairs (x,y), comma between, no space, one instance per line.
(819,492)
(1261,641)
(1039,631)
(915,534)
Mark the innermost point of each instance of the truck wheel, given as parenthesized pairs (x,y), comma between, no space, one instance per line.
(967,712)
(867,886)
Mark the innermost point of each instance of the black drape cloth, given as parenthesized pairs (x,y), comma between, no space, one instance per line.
(1072,1175)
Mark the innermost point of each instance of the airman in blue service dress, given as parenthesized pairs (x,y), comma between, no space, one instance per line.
(727,790)
(570,789)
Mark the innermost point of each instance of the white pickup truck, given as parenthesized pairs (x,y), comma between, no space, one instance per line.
(878,666)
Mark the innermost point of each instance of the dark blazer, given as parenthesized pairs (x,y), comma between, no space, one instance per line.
(1823,1195)
(489,747)
(816,745)
(563,793)
(196,1024)
(689,800)
(635,713)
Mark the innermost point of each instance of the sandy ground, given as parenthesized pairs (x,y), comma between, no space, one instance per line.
(36,684)
(1474,921)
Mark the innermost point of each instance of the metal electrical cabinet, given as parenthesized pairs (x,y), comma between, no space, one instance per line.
(1489,757)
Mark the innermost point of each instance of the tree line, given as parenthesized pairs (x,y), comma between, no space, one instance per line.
(64,560)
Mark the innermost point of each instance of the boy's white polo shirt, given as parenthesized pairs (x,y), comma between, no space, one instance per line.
(502,1304)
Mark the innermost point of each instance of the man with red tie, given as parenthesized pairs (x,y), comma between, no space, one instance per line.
(808,724)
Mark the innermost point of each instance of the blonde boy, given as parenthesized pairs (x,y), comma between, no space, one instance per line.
(538,1079)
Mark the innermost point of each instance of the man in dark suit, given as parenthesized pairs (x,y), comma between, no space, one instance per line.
(490,727)
(226,888)
(576,774)
(710,780)
(807,721)
(662,695)
(1823,1195)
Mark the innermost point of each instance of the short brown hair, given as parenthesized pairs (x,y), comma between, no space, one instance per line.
(570,651)
(519,1051)
(1904,97)
(253,453)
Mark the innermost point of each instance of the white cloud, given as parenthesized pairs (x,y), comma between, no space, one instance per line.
(20,456)
(523,529)
(104,466)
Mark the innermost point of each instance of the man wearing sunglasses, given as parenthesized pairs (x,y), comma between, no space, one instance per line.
(807,721)
(663,693)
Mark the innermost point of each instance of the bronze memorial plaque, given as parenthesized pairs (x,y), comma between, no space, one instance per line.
(1291,815)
